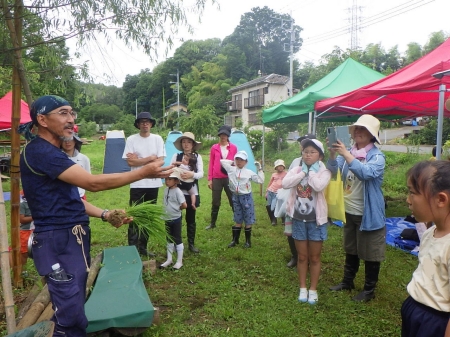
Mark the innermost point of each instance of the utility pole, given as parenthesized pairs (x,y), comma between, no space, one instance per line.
(178,96)
(291,52)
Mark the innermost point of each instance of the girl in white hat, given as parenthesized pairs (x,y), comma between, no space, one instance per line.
(273,187)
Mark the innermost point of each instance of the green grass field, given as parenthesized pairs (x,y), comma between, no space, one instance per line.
(251,292)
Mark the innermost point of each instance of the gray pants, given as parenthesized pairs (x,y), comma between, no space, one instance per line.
(367,245)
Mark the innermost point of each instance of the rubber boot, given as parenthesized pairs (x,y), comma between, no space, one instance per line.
(272,218)
(293,262)
(180,251)
(372,269)
(351,267)
(248,237)
(191,227)
(138,240)
(235,234)
(170,247)
(214,215)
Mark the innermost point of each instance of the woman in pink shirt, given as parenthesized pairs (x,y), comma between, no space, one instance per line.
(217,176)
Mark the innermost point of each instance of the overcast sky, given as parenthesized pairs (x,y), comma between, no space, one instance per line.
(325,23)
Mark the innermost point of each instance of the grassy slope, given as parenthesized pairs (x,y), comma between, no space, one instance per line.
(237,292)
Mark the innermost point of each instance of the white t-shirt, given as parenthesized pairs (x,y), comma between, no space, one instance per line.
(430,281)
(85,163)
(152,145)
(353,194)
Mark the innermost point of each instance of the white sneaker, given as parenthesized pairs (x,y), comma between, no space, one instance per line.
(313,298)
(303,296)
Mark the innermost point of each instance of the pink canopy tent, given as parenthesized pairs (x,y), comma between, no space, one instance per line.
(410,92)
(6,110)
(419,89)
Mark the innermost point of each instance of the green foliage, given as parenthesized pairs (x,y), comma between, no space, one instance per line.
(126,123)
(201,122)
(427,135)
(254,138)
(98,112)
(86,129)
(148,219)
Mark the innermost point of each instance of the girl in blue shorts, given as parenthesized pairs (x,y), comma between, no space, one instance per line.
(308,209)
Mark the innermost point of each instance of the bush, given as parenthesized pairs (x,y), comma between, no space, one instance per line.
(86,129)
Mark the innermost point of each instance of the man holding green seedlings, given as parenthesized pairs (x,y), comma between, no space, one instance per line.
(61,218)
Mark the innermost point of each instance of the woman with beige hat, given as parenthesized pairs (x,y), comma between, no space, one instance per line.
(362,169)
(188,145)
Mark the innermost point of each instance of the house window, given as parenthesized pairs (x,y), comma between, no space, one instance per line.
(266,90)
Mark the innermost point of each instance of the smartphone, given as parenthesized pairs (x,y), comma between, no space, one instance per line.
(340,133)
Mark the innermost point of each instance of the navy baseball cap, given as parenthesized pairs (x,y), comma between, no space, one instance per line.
(306,136)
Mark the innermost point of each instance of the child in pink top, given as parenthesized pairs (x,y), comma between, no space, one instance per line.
(272,189)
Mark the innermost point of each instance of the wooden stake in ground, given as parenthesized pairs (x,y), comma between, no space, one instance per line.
(4,261)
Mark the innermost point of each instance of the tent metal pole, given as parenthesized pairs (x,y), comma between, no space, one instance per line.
(442,90)
(263,142)
(310,122)
(314,123)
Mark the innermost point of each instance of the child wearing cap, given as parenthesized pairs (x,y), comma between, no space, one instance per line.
(173,201)
(273,187)
(308,209)
(240,185)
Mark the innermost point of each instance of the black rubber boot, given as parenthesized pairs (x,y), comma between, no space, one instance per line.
(272,218)
(214,215)
(351,267)
(191,228)
(372,269)
(235,234)
(248,238)
(139,241)
(293,262)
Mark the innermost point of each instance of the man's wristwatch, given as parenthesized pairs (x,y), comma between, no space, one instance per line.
(103,216)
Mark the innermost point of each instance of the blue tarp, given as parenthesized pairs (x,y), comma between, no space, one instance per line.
(239,139)
(394,227)
(115,144)
(170,148)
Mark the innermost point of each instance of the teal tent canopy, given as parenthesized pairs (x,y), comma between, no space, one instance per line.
(350,75)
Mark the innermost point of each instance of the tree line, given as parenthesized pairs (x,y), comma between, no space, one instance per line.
(207,68)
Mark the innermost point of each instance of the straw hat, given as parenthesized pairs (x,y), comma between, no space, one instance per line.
(371,123)
(447,104)
(187,135)
(279,162)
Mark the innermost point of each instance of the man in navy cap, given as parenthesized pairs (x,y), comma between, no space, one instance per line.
(61,218)
(140,149)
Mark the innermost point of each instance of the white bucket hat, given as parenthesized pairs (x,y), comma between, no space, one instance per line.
(371,123)
(314,143)
(278,162)
(178,172)
(187,135)
(241,154)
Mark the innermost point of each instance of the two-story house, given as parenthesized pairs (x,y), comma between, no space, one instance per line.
(249,98)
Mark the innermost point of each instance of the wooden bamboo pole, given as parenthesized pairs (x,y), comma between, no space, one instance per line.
(93,272)
(6,276)
(15,154)
(36,309)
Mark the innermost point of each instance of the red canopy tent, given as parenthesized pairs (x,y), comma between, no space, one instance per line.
(6,110)
(412,91)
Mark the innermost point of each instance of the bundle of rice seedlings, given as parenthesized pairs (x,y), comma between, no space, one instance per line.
(148,219)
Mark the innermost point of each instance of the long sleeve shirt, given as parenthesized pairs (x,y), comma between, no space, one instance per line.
(240,179)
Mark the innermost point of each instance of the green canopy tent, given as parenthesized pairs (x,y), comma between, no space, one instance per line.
(350,75)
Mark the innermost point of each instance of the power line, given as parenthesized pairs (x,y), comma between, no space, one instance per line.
(391,13)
